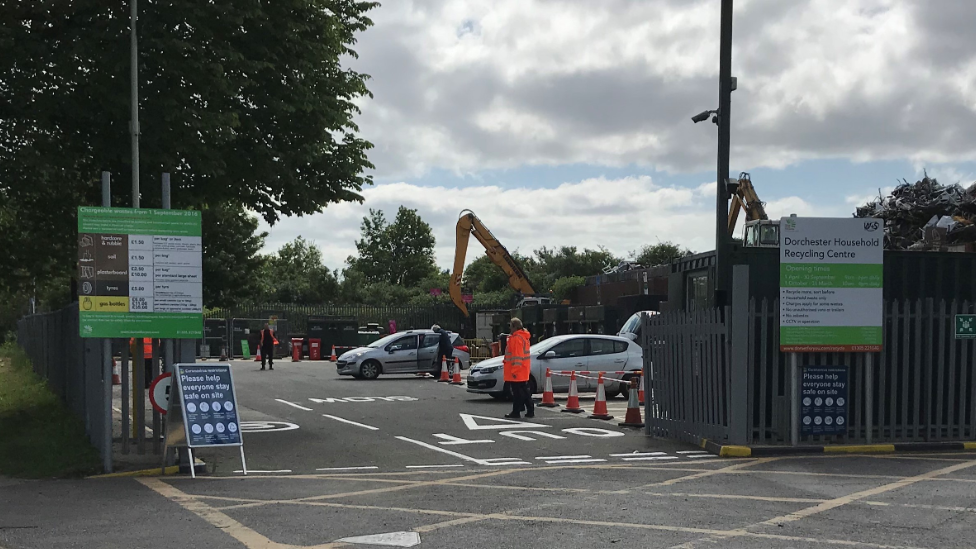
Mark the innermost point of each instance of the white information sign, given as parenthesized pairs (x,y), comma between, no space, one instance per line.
(831,274)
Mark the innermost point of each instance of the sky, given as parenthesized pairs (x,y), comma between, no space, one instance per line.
(568,122)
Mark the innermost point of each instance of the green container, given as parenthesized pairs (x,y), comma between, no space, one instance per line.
(366,337)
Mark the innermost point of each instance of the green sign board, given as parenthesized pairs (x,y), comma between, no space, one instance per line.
(831,275)
(965,326)
(140,273)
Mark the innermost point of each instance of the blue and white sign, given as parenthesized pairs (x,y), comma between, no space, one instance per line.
(823,400)
(209,405)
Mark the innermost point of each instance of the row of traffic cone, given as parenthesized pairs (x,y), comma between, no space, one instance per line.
(634,400)
(454,379)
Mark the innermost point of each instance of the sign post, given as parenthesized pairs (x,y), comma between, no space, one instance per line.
(140,273)
(204,413)
(831,297)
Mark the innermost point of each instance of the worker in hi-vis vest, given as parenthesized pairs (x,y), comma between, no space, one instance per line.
(147,354)
(516,366)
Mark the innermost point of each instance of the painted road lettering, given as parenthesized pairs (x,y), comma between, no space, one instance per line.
(450,440)
(266,426)
(524,435)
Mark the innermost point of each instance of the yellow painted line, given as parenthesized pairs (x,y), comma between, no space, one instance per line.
(154,472)
(246,536)
(859,449)
(850,498)
(711,472)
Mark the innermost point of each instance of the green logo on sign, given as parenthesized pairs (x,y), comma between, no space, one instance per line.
(965,326)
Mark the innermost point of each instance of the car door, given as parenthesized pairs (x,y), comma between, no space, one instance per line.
(607,355)
(402,355)
(427,356)
(570,355)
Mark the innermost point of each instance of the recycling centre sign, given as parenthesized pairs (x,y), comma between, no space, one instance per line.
(831,275)
(140,273)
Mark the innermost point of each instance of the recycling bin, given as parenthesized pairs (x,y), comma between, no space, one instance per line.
(315,349)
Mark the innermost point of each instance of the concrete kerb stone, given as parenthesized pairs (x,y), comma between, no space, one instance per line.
(734,451)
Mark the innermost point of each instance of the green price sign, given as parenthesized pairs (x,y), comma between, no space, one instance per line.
(140,273)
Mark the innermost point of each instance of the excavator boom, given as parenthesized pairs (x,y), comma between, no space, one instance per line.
(467,225)
(745,198)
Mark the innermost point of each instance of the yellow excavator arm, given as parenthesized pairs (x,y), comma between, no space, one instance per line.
(745,198)
(467,225)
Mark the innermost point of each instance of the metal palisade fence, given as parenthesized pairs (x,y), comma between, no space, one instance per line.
(74,369)
(719,375)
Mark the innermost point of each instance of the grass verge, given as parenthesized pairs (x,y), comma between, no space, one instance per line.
(39,437)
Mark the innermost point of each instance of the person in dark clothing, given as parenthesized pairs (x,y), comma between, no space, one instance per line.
(444,347)
(267,342)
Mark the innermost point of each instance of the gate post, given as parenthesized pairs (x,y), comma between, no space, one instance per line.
(739,334)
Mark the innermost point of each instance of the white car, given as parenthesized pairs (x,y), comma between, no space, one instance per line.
(632,328)
(579,352)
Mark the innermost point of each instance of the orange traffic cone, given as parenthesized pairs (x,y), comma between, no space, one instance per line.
(600,406)
(633,417)
(333,357)
(445,377)
(257,357)
(116,373)
(640,391)
(548,399)
(572,403)
(456,380)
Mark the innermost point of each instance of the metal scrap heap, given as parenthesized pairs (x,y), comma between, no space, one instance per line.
(926,215)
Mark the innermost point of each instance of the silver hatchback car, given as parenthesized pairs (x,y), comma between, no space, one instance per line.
(410,352)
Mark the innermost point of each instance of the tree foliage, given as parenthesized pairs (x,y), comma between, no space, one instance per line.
(399,253)
(230,257)
(296,274)
(246,104)
(661,253)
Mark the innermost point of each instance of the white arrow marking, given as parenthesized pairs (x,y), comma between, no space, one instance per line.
(391,539)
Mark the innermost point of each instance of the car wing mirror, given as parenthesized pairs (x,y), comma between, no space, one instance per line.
(549,354)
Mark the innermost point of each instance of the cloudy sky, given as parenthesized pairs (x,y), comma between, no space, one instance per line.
(567,122)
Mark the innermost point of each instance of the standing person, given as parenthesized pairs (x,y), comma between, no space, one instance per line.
(267,342)
(147,357)
(516,365)
(445,351)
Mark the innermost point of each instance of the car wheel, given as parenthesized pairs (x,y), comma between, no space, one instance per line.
(370,369)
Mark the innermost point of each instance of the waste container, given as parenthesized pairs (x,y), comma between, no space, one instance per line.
(296,349)
(315,349)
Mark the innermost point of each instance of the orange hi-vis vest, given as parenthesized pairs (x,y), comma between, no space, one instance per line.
(517,360)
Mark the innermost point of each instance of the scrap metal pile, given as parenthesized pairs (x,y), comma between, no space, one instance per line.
(926,215)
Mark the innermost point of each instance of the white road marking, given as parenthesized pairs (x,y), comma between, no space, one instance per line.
(347,468)
(505,461)
(391,539)
(638,454)
(655,458)
(561,461)
(593,432)
(524,435)
(702,456)
(443,451)
(563,457)
(693,452)
(292,404)
(451,440)
(363,425)
(471,422)
(256,471)
(266,426)
(148,430)
(434,466)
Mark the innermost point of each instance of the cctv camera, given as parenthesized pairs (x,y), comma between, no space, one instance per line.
(701,117)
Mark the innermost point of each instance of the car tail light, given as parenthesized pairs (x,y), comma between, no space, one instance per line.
(462,348)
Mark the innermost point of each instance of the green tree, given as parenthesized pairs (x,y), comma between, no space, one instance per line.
(661,253)
(567,261)
(399,253)
(563,287)
(295,274)
(231,264)
(245,103)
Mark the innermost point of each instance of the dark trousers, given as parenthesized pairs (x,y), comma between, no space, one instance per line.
(521,398)
(267,355)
